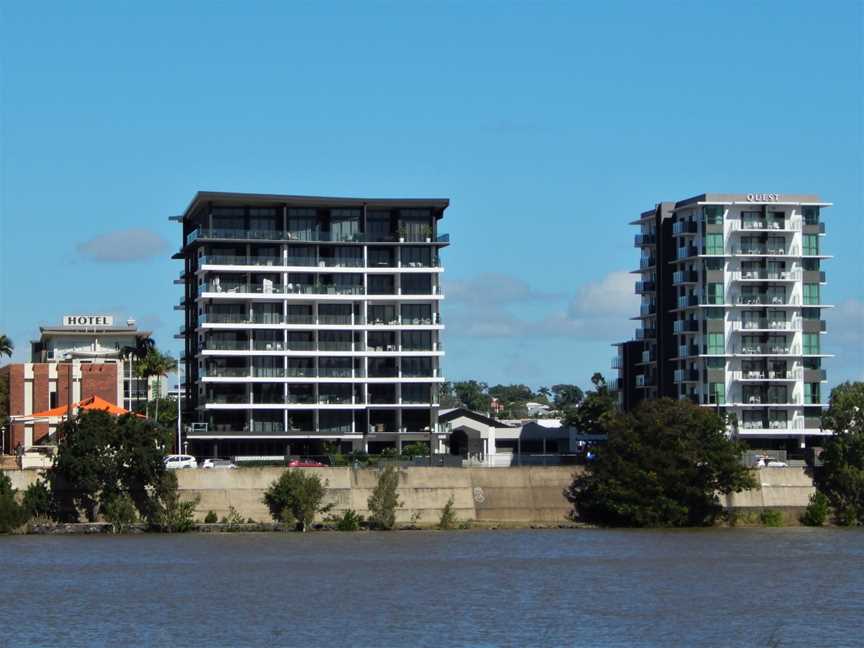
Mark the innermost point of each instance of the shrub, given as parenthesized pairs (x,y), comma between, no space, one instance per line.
(170,514)
(38,501)
(295,498)
(12,514)
(120,511)
(349,521)
(415,450)
(384,500)
(448,516)
(771,518)
(817,510)
(211,518)
(233,518)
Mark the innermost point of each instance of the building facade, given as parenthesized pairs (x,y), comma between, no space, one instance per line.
(310,320)
(732,312)
(86,355)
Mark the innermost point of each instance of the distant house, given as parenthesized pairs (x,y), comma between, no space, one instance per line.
(483,440)
(537,409)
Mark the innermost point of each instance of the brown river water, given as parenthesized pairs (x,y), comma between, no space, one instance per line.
(714,587)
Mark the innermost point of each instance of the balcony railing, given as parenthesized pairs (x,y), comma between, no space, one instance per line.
(646,333)
(686,375)
(688,301)
(765,275)
(764,250)
(767,349)
(764,374)
(767,325)
(644,287)
(685,326)
(205,234)
(644,239)
(684,276)
(686,252)
(688,351)
(647,309)
(647,262)
(277,289)
(684,227)
(766,300)
(787,225)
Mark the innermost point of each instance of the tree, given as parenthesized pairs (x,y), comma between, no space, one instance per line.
(6,346)
(663,466)
(100,456)
(384,500)
(841,476)
(296,497)
(446,396)
(155,364)
(564,396)
(169,513)
(596,405)
(38,501)
(472,395)
(12,514)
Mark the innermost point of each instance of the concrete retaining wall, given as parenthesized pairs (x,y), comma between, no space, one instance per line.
(526,494)
(515,495)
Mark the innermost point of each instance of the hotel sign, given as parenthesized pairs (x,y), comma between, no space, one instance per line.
(88,320)
(763,197)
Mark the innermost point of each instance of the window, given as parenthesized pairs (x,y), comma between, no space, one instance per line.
(810,313)
(811,394)
(714,264)
(716,344)
(714,313)
(716,363)
(344,224)
(302,224)
(751,220)
(811,215)
(713,244)
(812,363)
(378,226)
(811,344)
(811,294)
(717,393)
(415,224)
(713,214)
(811,244)
(811,264)
(715,293)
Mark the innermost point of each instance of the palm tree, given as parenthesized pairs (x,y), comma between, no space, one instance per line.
(154,363)
(143,345)
(6,346)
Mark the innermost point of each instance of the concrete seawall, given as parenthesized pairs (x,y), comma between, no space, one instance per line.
(516,495)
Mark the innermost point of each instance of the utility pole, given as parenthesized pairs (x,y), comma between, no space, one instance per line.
(179,406)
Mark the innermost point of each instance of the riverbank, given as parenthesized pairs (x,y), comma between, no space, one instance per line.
(516,497)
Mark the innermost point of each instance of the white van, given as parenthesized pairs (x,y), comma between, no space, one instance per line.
(180,461)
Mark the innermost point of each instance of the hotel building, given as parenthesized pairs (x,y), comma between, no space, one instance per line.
(87,355)
(732,314)
(310,320)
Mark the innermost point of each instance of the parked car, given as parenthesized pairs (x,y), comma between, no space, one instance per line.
(218,463)
(173,462)
(305,463)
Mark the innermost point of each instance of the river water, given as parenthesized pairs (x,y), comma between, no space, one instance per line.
(716,587)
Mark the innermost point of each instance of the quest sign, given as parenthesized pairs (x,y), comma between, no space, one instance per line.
(88,320)
(763,197)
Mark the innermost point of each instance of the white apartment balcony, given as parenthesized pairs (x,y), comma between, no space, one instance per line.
(205,234)
(762,250)
(766,299)
(767,326)
(763,225)
(236,322)
(768,349)
(766,276)
(296,291)
(760,376)
(213,263)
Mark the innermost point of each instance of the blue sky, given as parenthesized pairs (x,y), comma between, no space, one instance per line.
(548,125)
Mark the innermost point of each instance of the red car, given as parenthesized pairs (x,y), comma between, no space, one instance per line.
(305,463)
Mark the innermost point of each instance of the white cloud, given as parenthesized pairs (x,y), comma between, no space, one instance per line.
(599,311)
(612,295)
(123,246)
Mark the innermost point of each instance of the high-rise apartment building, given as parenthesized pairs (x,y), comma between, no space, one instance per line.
(310,320)
(732,314)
